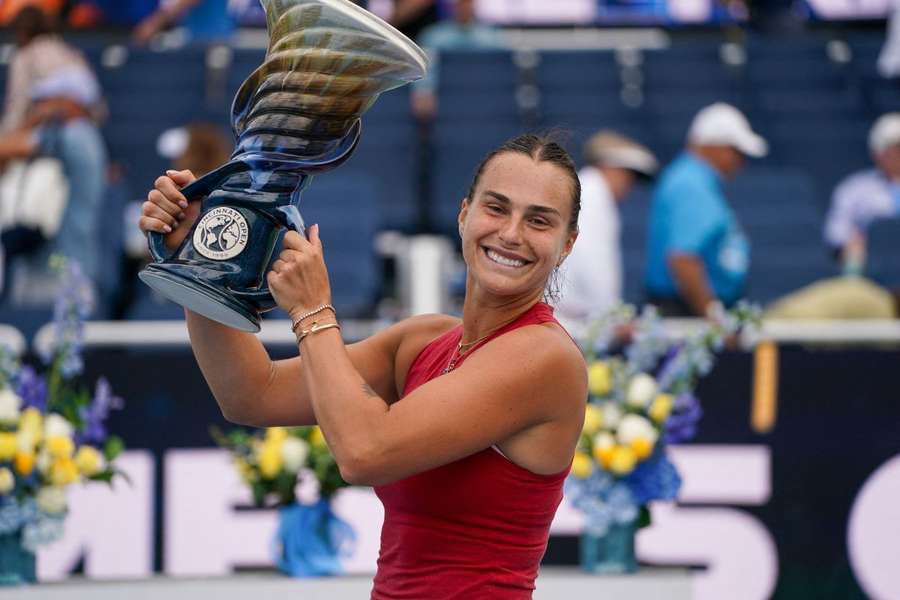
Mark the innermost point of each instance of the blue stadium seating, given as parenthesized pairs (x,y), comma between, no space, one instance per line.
(883,248)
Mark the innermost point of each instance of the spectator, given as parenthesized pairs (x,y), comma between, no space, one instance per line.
(40,54)
(461,32)
(57,95)
(698,256)
(205,20)
(593,275)
(866,196)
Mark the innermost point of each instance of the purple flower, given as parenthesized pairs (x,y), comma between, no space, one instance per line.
(32,388)
(97,412)
(682,423)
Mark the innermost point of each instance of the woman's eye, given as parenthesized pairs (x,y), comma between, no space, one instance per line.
(540,222)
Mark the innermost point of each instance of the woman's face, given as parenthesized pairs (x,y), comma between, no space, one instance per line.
(515,230)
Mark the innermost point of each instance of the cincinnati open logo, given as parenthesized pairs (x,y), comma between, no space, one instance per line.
(221,234)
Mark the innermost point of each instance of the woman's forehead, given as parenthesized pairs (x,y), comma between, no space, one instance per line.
(522,178)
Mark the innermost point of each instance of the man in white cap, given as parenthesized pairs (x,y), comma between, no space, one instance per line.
(866,196)
(697,254)
(592,277)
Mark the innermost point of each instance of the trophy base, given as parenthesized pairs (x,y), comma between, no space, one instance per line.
(201,298)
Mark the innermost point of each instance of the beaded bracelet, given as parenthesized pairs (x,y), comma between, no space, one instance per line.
(315,329)
(314,311)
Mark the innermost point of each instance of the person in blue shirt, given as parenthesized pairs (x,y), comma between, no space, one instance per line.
(205,20)
(697,253)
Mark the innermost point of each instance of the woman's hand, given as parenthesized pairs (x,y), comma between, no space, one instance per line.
(167,211)
(298,279)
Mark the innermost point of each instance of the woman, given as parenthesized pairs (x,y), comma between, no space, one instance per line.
(466,429)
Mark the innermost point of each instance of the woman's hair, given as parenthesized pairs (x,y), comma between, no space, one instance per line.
(30,22)
(540,148)
(208,147)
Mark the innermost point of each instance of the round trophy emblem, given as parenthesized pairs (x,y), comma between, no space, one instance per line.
(221,234)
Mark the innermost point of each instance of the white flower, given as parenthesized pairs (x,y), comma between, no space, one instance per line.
(604,440)
(10,403)
(7,481)
(51,499)
(57,425)
(44,461)
(635,427)
(294,452)
(25,441)
(641,390)
(612,414)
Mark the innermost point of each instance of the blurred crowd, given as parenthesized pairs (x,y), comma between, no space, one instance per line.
(56,174)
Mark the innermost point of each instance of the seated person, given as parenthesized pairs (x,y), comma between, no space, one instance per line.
(866,196)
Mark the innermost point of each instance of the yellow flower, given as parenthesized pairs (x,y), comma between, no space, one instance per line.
(276,434)
(24,463)
(89,461)
(7,481)
(623,460)
(316,438)
(245,471)
(642,448)
(599,378)
(60,446)
(582,465)
(63,471)
(32,421)
(661,407)
(7,445)
(270,459)
(593,419)
(604,443)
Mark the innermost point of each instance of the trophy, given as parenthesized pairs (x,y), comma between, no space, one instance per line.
(297,114)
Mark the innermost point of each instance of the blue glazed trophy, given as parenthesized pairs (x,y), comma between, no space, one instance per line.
(297,114)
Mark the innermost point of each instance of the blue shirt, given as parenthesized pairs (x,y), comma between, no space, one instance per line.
(689,215)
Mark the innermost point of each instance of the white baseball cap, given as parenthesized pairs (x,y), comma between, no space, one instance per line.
(721,124)
(885,133)
(611,149)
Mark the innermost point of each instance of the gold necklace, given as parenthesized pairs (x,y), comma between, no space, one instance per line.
(459,352)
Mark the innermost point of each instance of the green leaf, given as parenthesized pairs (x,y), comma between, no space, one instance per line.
(643,519)
(113,448)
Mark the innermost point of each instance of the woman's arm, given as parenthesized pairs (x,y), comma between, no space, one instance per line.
(251,389)
(530,378)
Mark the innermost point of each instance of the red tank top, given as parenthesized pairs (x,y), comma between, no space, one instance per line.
(475,528)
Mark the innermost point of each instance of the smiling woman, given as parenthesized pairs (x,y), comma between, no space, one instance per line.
(466,428)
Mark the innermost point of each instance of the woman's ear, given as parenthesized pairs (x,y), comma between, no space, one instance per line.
(463,211)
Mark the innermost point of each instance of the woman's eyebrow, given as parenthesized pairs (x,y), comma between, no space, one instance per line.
(536,208)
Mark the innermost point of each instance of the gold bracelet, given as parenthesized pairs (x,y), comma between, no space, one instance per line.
(315,329)
(314,311)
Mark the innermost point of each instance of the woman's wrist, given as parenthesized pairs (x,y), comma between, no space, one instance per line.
(316,326)
(299,315)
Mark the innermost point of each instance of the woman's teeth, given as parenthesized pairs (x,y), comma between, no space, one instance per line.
(509,262)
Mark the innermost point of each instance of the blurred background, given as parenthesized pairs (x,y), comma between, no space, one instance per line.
(144,86)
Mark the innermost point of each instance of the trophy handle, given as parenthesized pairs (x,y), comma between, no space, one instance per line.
(198,189)
(262,297)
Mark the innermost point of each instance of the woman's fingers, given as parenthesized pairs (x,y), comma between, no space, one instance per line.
(172,192)
(152,210)
(157,198)
(181,178)
(152,224)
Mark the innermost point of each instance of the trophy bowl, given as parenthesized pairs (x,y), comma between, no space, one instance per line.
(298,114)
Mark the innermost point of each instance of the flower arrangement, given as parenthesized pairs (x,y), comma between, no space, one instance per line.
(276,463)
(641,398)
(52,430)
